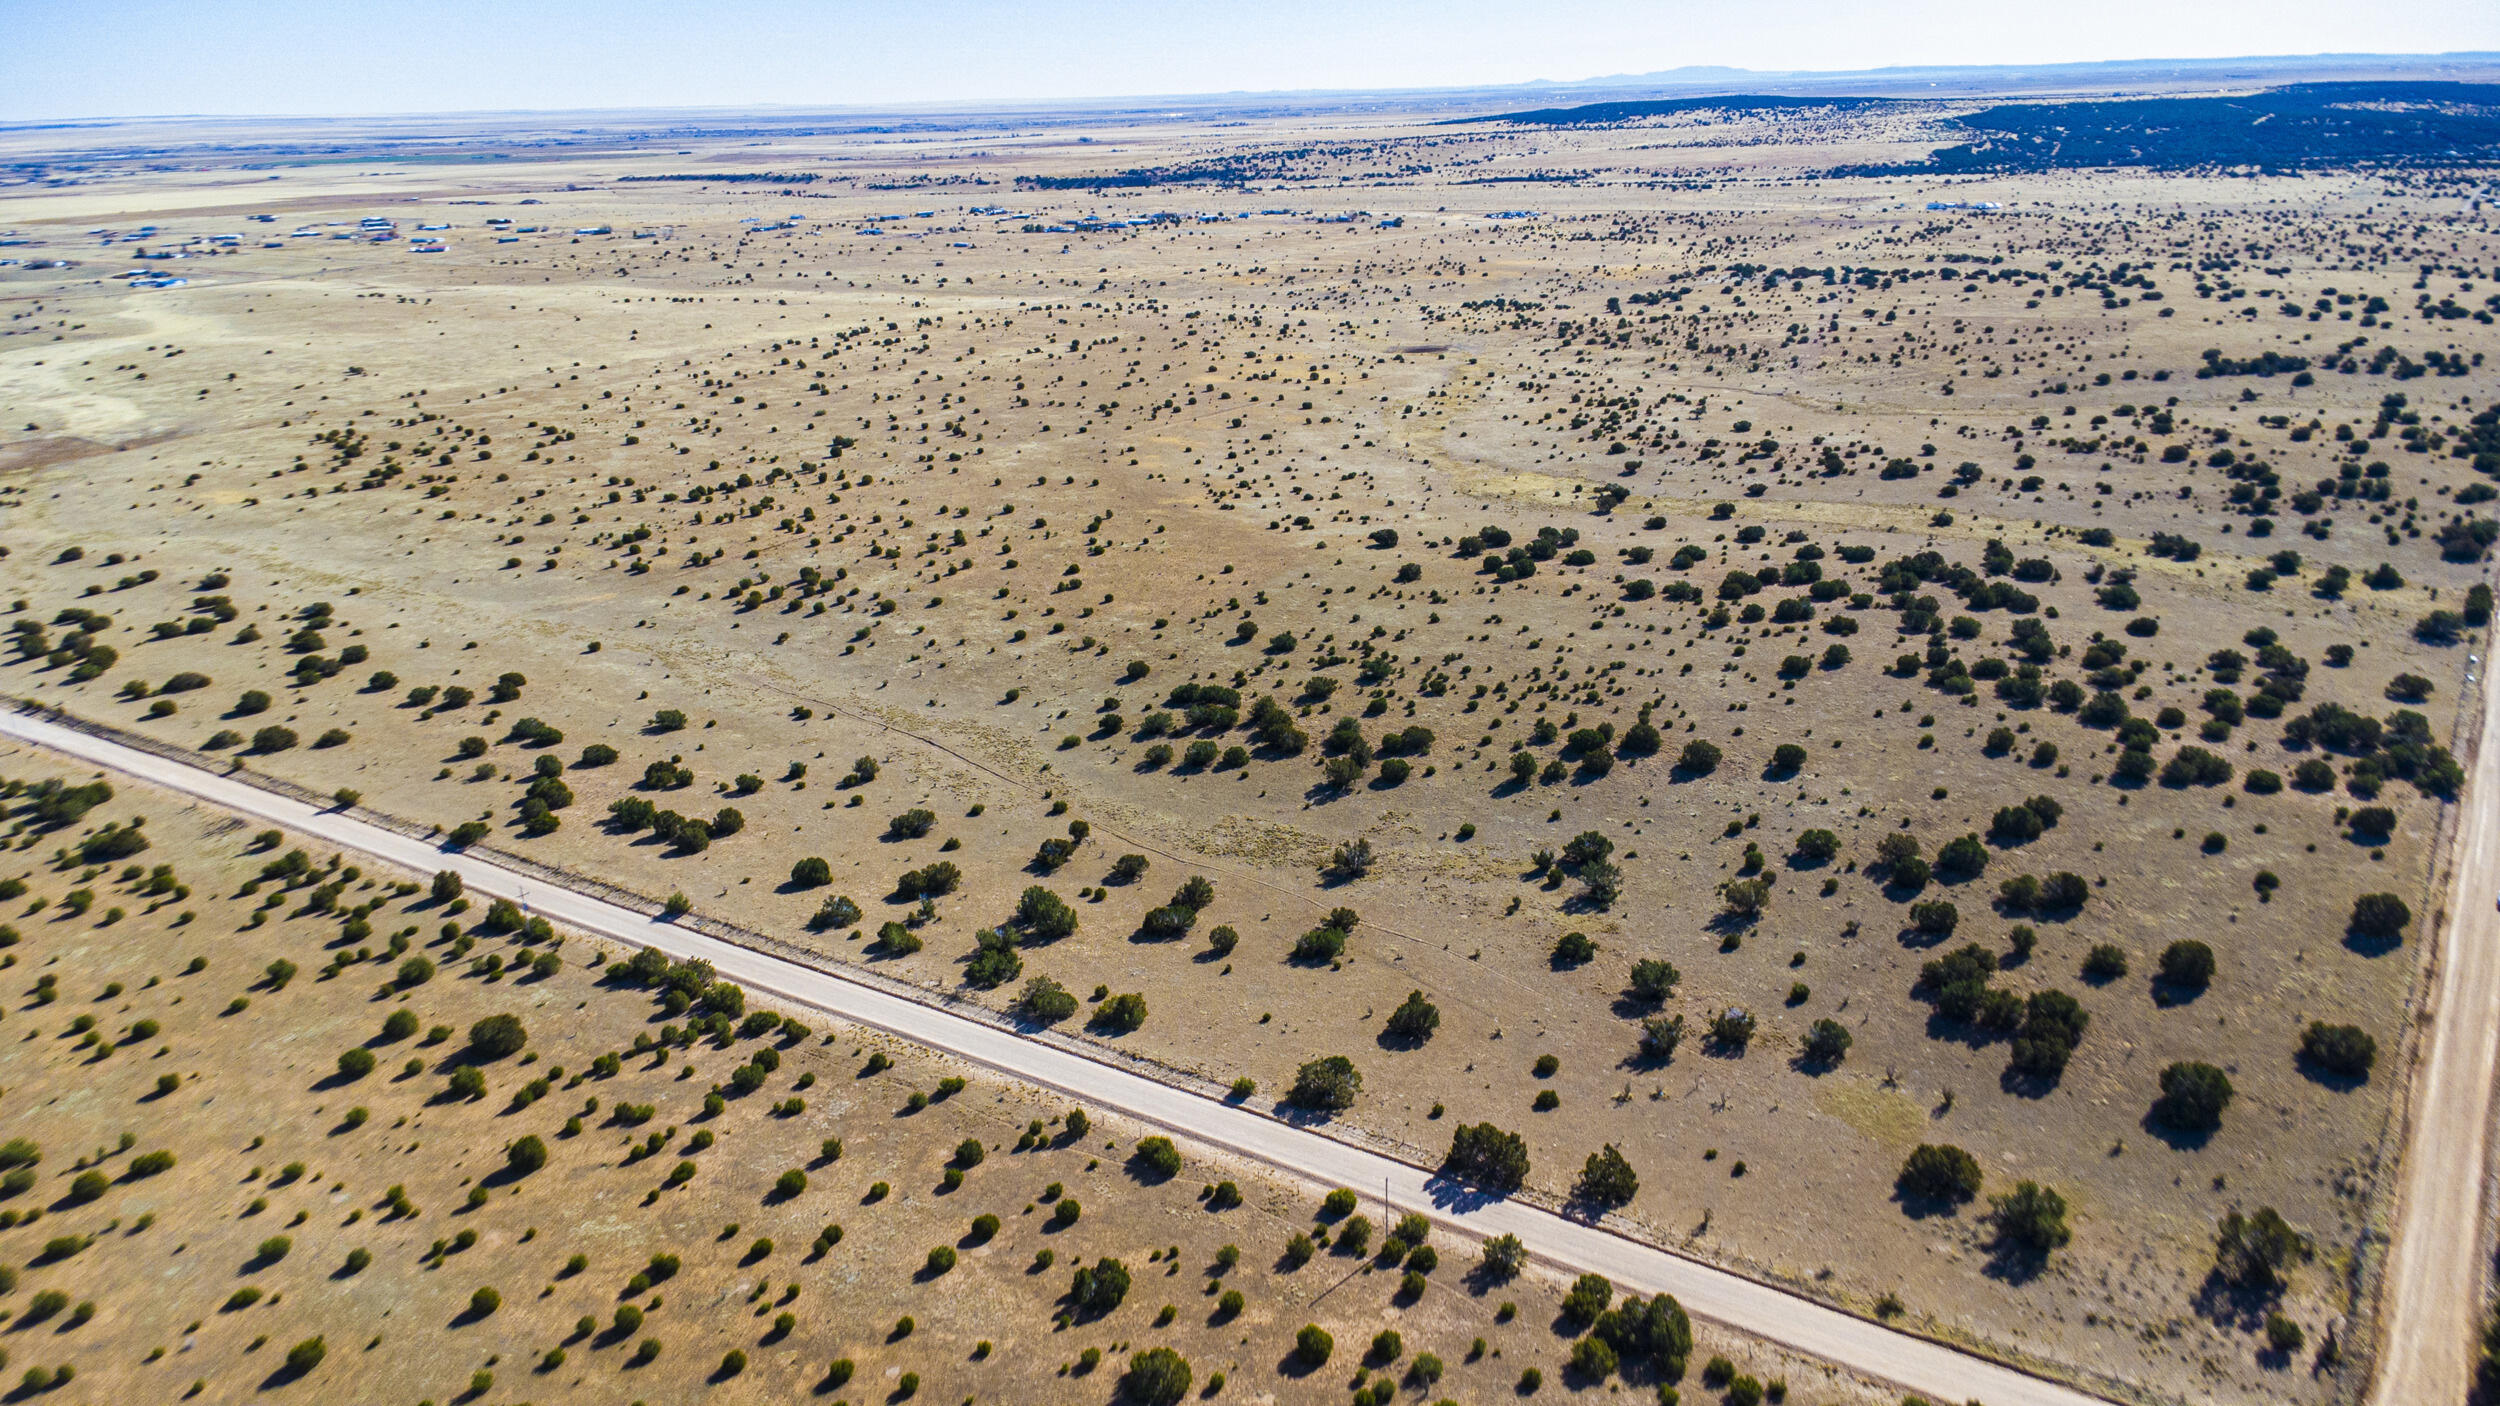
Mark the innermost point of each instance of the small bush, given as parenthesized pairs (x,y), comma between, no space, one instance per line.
(2346,1051)
(1940,1173)
(1158,1156)
(527,1154)
(497,1036)
(2187,963)
(2193,1097)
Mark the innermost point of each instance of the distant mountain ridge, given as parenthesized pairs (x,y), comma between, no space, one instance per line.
(137,135)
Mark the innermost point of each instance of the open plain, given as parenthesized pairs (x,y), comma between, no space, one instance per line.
(1286,600)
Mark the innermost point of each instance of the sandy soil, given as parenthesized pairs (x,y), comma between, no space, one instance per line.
(1149,436)
(269,1139)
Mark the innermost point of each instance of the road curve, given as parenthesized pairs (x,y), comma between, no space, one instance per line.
(2432,1303)
(1933,1369)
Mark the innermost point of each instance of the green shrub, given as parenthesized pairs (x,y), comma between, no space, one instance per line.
(1487,1156)
(1121,1014)
(2187,963)
(1158,1156)
(2345,1051)
(1323,944)
(2193,1096)
(526,1155)
(2380,915)
(497,1036)
(1044,1001)
(1939,1173)
(1097,1289)
(1593,1359)
(2032,1217)
(1156,1377)
(1330,1083)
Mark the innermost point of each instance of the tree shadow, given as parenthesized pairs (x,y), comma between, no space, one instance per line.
(1298,1116)
(1728,922)
(2227,1302)
(2178,1138)
(2014,1261)
(1294,1366)
(1918,1207)
(1457,1196)
(336,1079)
(1642,1061)
(2174,993)
(284,1375)
(2326,1078)
(1631,1005)
(2367,945)
(2023,1083)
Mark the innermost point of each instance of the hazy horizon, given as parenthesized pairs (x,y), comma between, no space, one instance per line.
(220,58)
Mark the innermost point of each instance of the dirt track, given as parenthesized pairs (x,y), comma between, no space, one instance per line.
(2433,1298)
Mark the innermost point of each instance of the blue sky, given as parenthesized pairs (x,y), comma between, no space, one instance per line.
(78,58)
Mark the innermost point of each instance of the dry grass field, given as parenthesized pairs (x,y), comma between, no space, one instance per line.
(1396,539)
(240,1131)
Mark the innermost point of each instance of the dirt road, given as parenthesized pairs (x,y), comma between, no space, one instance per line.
(2434,1271)
(1936,1370)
